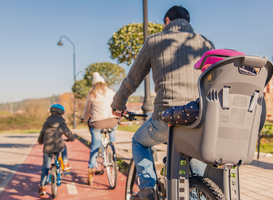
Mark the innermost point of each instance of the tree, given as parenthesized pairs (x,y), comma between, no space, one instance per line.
(67,100)
(125,44)
(113,74)
(80,88)
(36,109)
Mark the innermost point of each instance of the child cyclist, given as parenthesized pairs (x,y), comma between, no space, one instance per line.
(51,137)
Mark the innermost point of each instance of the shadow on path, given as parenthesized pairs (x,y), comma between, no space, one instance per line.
(7,145)
(261,164)
(21,136)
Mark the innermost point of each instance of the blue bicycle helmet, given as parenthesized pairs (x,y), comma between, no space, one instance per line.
(57,108)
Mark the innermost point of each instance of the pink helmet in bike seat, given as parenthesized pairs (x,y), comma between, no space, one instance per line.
(213,56)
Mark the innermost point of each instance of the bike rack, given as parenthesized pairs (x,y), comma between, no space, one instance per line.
(177,173)
(226,179)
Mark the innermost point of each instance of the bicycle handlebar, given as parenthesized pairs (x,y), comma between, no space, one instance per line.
(130,116)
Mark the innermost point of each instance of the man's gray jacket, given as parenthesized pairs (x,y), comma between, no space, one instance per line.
(171,54)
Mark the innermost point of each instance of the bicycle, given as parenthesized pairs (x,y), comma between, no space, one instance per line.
(224,135)
(199,187)
(56,172)
(107,159)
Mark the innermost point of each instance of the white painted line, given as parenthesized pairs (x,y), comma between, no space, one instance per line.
(71,188)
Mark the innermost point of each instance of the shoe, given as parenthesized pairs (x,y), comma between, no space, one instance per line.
(144,194)
(135,197)
(42,191)
(67,167)
(90,176)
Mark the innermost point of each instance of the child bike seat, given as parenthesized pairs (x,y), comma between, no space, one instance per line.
(230,113)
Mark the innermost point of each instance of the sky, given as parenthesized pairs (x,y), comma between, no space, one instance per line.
(33,65)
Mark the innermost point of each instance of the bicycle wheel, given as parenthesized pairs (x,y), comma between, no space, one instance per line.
(132,181)
(54,188)
(203,188)
(111,165)
(100,163)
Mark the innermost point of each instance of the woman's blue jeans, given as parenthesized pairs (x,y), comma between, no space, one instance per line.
(46,165)
(96,137)
(151,133)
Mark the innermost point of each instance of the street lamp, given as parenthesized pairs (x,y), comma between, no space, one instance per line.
(79,73)
(147,104)
(60,44)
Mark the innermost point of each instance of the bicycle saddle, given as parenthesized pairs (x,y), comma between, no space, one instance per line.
(106,130)
(54,154)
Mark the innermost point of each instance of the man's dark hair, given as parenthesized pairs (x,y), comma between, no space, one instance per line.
(177,12)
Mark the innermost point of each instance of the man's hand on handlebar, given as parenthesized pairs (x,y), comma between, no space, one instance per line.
(118,113)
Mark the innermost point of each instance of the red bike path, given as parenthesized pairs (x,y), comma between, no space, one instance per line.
(25,182)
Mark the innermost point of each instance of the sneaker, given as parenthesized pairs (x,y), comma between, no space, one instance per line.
(67,167)
(135,197)
(42,191)
(146,194)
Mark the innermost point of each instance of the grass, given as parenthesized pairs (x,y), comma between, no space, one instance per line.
(21,131)
(22,124)
(78,125)
(121,165)
(266,145)
(19,123)
(129,128)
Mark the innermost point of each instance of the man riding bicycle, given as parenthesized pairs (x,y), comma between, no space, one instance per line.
(171,54)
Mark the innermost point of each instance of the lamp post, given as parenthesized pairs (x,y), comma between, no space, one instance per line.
(79,73)
(147,104)
(74,70)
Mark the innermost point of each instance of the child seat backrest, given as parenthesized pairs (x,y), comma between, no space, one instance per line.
(231,105)
(231,99)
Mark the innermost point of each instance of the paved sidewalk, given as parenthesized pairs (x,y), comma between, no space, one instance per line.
(13,150)
(25,182)
(123,144)
(256,179)
(19,157)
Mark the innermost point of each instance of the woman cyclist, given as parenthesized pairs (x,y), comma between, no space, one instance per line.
(97,105)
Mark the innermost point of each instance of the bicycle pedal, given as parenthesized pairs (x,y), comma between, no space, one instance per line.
(99,172)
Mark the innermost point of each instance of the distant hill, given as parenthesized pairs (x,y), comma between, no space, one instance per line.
(50,100)
(21,104)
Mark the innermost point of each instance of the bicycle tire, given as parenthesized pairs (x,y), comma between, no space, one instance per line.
(132,181)
(204,188)
(100,163)
(111,167)
(54,187)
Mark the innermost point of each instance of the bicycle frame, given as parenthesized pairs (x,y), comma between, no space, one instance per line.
(58,162)
(178,173)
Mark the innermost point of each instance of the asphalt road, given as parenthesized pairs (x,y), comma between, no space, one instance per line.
(13,150)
